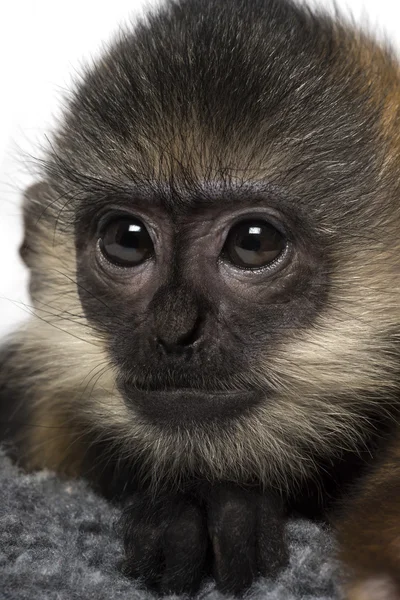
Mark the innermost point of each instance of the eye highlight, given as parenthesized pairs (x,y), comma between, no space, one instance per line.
(126,242)
(253,244)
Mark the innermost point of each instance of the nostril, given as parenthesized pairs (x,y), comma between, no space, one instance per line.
(184,340)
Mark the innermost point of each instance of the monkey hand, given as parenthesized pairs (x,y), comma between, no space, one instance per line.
(233,534)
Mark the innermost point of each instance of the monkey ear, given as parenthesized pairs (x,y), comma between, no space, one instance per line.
(36,198)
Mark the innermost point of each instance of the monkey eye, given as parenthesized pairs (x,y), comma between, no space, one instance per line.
(126,242)
(252,244)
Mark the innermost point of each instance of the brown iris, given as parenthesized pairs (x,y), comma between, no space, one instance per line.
(126,242)
(253,244)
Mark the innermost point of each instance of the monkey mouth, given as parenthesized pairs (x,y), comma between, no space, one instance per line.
(177,406)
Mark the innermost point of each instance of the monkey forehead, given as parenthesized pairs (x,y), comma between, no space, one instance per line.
(226,91)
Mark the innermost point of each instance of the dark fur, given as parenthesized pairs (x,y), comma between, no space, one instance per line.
(212,399)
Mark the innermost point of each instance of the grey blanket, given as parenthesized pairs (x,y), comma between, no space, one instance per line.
(57,542)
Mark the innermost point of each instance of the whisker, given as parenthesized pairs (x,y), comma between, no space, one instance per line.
(103,368)
(32,310)
(32,313)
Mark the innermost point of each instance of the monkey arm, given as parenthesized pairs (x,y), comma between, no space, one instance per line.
(369,535)
(225,531)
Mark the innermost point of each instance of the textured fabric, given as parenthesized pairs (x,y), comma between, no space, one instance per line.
(57,541)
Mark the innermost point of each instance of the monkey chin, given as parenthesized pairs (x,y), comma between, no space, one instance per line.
(187,407)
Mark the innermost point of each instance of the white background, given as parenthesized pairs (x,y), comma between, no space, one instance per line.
(42,44)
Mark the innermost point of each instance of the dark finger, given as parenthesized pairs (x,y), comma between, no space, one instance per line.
(185,547)
(143,525)
(272,552)
(232,524)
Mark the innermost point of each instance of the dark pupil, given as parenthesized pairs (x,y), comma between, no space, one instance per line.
(126,242)
(253,244)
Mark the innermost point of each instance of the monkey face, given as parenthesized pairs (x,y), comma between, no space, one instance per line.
(220,228)
(204,283)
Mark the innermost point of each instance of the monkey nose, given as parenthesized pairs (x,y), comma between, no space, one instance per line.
(178,341)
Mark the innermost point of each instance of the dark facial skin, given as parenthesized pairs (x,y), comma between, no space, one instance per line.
(193,306)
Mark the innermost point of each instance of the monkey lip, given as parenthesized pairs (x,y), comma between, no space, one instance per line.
(179,406)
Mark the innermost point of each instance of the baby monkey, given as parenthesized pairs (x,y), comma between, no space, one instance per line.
(214,258)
